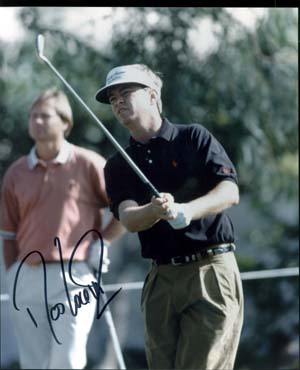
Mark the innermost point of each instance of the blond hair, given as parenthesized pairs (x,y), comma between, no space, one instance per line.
(62,105)
(155,76)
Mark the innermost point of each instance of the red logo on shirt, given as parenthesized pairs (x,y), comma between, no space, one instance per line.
(226,170)
(174,163)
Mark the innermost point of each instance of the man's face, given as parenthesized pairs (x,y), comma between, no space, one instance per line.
(129,102)
(45,124)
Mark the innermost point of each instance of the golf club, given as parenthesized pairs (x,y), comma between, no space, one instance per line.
(40,45)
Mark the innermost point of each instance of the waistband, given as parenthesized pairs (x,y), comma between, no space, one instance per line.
(65,261)
(212,251)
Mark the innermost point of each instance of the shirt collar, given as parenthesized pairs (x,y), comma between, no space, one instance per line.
(62,157)
(167,131)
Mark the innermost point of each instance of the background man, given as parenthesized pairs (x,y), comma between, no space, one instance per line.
(192,298)
(57,190)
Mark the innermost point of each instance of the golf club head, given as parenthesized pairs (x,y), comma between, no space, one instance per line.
(40,43)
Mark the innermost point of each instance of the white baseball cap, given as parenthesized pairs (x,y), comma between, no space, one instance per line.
(132,73)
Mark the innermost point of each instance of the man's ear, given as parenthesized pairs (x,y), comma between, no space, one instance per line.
(153,96)
(155,100)
(67,129)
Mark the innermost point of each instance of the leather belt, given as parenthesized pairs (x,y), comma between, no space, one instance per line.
(180,260)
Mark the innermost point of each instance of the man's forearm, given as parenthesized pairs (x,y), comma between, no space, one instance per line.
(114,230)
(138,218)
(223,196)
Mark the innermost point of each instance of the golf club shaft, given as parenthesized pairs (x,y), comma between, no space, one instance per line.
(106,132)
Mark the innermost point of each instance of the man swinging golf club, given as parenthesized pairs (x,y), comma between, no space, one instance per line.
(192,299)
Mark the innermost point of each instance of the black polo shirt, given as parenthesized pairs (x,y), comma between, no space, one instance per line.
(186,161)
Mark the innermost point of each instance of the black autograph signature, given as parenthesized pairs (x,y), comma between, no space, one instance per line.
(80,299)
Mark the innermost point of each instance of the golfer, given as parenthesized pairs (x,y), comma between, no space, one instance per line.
(192,299)
(57,190)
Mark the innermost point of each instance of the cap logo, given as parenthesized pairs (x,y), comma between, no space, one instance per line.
(115,76)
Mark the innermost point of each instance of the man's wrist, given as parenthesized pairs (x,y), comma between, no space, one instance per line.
(188,210)
(153,214)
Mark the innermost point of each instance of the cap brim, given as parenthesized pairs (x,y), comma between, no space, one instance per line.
(101,94)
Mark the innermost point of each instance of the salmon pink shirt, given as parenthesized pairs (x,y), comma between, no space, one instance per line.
(62,198)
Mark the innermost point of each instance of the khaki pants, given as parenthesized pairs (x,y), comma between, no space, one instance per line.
(193,314)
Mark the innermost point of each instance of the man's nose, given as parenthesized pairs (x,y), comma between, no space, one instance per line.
(120,99)
(38,119)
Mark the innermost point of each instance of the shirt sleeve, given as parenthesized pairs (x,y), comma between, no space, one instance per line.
(215,163)
(119,183)
(9,214)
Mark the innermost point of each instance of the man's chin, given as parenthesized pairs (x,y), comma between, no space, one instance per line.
(125,121)
(40,137)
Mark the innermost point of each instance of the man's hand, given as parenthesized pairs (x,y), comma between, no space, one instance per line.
(163,207)
(177,214)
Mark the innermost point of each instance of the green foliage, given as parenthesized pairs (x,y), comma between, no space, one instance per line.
(23,76)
